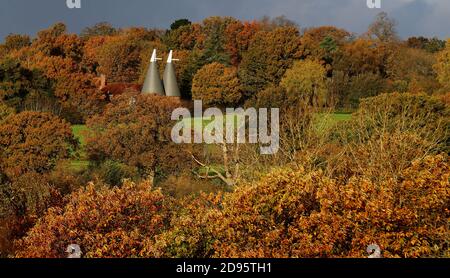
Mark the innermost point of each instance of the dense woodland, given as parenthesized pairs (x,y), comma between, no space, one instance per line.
(363,156)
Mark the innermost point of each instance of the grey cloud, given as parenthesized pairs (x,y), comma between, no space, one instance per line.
(415,17)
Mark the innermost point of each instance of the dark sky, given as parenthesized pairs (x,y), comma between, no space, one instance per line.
(415,17)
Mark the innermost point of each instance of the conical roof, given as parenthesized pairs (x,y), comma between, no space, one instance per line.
(170,78)
(152,83)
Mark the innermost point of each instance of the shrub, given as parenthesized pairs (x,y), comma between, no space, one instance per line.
(186,184)
(5,111)
(136,130)
(387,133)
(297,214)
(104,222)
(114,173)
(271,97)
(22,203)
(191,231)
(34,142)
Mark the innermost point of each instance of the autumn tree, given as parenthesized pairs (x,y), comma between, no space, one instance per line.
(55,41)
(238,37)
(16,42)
(59,56)
(185,37)
(22,202)
(442,67)
(432,45)
(306,81)
(24,89)
(321,42)
(214,46)
(362,56)
(216,84)
(411,69)
(120,60)
(383,28)
(33,142)
(106,223)
(135,130)
(387,133)
(269,55)
(293,213)
(99,29)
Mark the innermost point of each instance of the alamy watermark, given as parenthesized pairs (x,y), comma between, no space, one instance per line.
(76,4)
(374,4)
(230,128)
(73,4)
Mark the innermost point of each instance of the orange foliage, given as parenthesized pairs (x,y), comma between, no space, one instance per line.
(269,55)
(313,37)
(297,214)
(238,36)
(136,129)
(33,142)
(362,56)
(216,84)
(108,223)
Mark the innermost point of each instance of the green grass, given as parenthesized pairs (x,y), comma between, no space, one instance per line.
(329,120)
(341,117)
(80,162)
(203,122)
(79,133)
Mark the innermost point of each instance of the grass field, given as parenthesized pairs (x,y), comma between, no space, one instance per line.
(81,162)
(78,132)
(330,118)
(341,116)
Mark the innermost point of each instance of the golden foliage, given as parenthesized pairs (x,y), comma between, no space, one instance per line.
(297,214)
(305,82)
(105,222)
(442,67)
(216,84)
(33,142)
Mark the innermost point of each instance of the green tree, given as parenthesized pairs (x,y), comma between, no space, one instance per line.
(178,23)
(214,46)
(306,81)
(19,86)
